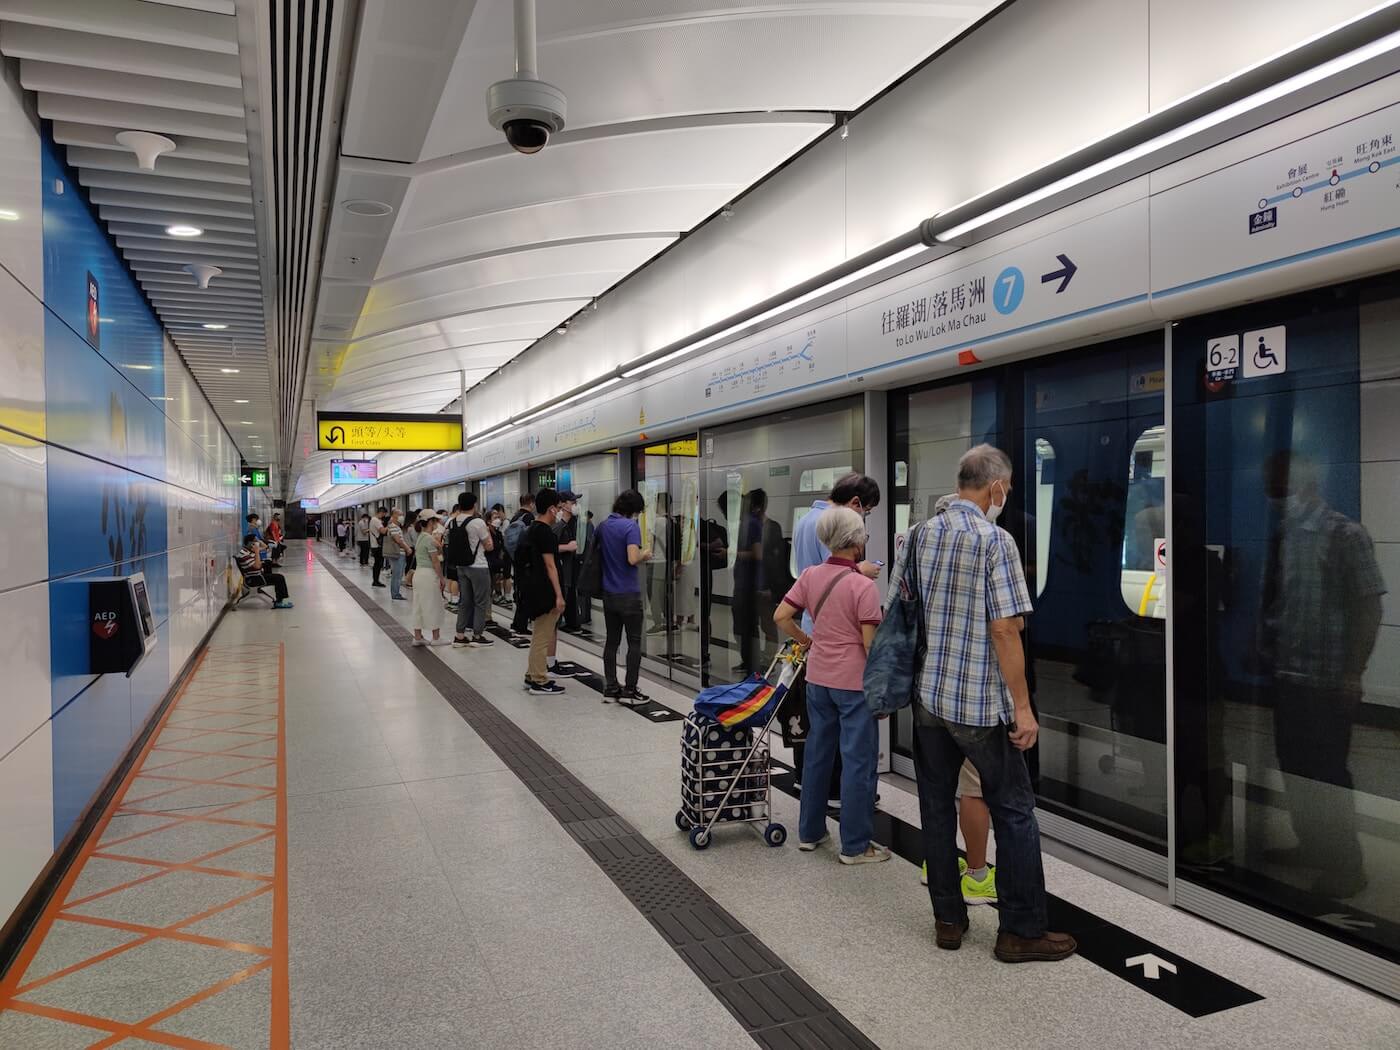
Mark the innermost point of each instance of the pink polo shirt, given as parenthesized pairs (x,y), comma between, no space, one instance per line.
(837,656)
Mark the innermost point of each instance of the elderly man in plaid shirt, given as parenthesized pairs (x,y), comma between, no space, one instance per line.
(974,703)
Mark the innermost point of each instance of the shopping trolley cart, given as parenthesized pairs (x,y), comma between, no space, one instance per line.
(725,767)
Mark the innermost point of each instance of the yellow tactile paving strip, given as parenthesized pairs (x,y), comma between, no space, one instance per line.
(166,907)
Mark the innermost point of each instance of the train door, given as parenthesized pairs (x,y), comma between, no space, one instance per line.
(666,475)
(1085,432)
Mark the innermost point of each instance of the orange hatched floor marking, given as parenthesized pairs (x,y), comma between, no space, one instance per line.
(241,683)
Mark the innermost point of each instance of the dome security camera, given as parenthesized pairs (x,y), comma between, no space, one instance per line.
(527,110)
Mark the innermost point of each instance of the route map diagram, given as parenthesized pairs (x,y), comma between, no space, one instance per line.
(757,369)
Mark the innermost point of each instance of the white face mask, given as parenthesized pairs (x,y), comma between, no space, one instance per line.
(994,509)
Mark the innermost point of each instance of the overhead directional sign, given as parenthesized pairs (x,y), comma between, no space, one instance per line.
(254,477)
(371,432)
(1094,265)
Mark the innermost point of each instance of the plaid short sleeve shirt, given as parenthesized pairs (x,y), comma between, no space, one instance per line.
(969,575)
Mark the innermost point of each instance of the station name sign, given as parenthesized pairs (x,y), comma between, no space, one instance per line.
(371,432)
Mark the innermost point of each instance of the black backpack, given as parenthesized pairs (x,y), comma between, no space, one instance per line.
(459,544)
(590,577)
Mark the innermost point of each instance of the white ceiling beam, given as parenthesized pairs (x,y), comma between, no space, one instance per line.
(166,166)
(129,20)
(187,147)
(151,236)
(137,219)
(100,195)
(157,184)
(138,90)
(245,266)
(121,115)
(119,55)
(194,249)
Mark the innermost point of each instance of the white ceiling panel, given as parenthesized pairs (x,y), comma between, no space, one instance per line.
(729,153)
(680,57)
(531,274)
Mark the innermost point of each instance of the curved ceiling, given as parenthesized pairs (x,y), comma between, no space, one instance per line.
(672,114)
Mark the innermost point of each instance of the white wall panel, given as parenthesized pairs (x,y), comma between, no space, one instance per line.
(24,554)
(1197,42)
(21,215)
(25,702)
(26,815)
(22,405)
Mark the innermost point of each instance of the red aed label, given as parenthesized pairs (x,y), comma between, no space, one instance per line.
(105,624)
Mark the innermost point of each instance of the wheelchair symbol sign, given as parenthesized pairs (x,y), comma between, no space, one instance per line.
(1265,352)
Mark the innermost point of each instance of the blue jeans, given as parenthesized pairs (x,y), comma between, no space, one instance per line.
(939,749)
(396,577)
(839,718)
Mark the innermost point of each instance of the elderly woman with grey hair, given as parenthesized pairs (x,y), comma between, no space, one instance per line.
(845,610)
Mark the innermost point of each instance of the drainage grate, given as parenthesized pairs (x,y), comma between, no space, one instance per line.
(777,1008)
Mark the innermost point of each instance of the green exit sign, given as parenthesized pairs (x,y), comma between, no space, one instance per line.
(254,477)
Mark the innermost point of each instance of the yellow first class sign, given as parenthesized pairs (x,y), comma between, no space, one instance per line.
(381,432)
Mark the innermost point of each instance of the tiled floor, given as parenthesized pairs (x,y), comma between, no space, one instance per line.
(433,902)
(170,929)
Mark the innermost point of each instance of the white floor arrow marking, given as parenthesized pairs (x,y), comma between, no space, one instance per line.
(1152,966)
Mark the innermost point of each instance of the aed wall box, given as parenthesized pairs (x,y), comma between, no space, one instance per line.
(122,628)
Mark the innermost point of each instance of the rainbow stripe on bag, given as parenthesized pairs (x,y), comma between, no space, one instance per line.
(745,709)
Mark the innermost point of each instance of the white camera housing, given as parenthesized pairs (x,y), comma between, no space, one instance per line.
(527,111)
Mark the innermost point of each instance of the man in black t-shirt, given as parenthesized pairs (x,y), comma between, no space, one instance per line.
(520,620)
(540,593)
(566,531)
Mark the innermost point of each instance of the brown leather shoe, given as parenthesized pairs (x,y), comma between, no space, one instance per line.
(1048,947)
(948,935)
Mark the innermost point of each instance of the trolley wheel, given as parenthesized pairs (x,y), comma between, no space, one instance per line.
(681,822)
(699,838)
(1106,763)
(775,834)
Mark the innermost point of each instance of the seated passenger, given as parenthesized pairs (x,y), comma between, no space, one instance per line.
(845,608)
(257,574)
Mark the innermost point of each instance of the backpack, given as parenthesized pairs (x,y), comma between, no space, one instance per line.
(515,532)
(459,544)
(590,576)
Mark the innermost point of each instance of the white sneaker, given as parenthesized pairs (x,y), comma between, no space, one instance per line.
(873,855)
(808,847)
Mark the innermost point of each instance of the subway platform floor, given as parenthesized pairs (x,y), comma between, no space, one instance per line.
(337,840)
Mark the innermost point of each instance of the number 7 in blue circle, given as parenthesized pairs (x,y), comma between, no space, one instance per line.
(1010,286)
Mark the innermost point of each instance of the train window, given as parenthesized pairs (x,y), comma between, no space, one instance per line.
(820,480)
(1145,522)
(1044,509)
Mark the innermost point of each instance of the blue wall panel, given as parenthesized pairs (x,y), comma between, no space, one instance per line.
(75,246)
(106,500)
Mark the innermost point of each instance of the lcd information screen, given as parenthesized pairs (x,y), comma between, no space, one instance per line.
(354,471)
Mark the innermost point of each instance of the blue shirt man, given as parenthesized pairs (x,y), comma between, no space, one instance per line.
(857,491)
(619,575)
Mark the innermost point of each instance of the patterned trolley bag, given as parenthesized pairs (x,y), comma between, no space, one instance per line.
(725,767)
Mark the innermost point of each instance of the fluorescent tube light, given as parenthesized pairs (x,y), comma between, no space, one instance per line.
(841,282)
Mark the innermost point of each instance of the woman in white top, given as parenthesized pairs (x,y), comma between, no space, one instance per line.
(427,603)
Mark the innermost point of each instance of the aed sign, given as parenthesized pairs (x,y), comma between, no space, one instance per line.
(368,432)
(106,623)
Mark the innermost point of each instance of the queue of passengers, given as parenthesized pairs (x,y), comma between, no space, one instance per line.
(973,720)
